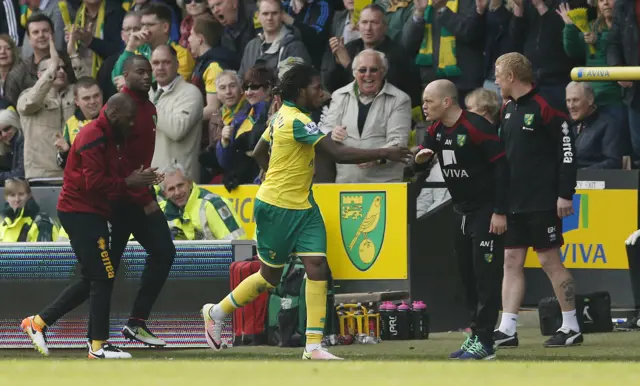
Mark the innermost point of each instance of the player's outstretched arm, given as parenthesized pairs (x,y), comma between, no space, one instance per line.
(350,155)
(261,154)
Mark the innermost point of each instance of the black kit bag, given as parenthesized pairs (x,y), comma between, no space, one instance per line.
(593,312)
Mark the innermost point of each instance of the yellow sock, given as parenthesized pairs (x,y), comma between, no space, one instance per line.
(39,322)
(97,344)
(316,294)
(249,289)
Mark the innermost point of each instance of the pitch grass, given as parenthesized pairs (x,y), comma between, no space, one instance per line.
(597,362)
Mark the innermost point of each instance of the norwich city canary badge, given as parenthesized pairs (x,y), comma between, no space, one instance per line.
(363,218)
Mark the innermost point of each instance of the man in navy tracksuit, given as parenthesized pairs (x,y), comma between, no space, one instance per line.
(475,169)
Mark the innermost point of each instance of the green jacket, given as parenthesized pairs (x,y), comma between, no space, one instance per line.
(607,93)
(398,13)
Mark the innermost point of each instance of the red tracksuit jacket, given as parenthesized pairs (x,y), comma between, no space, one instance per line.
(141,143)
(95,171)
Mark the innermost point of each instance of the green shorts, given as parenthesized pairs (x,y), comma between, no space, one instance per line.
(282,233)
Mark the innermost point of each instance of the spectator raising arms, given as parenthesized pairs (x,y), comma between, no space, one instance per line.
(51,11)
(537,32)
(43,109)
(373,27)
(156,24)
(130,25)
(25,73)
(96,25)
(578,45)
(22,219)
(447,38)
(313,19)
(344,29)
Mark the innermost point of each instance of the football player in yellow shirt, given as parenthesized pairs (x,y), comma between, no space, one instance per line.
(288,220)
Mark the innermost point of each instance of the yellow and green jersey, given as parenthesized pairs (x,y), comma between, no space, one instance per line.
(73,126)
(292,136)
(209,77)
(206,216)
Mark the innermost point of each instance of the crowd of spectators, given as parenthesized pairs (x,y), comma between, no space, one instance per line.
(216,62)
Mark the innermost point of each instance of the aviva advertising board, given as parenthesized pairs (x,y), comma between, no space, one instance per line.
(594,235)
(366,226)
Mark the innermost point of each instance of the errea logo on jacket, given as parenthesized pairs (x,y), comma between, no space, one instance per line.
(567,151)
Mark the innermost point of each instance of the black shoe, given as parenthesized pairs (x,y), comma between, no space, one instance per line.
(503,340)
(630,325)
(565,338)
(142,334)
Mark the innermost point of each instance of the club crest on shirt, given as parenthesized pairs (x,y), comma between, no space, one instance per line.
(528,119)
(462,139)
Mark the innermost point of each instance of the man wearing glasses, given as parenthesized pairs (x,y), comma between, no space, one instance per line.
(130,24)
(369,113)
(156,26)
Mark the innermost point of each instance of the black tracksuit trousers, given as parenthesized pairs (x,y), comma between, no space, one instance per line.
(480,259)
(89,237)
(152,232)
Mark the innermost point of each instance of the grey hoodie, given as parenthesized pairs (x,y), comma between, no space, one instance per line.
(287,45)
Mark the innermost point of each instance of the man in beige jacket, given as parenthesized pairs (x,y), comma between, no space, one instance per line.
(180,106)
(44,109)
(369,113)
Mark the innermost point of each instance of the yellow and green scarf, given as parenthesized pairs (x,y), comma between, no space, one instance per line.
(25,12)
(98,33)
(447,62)
(229,113)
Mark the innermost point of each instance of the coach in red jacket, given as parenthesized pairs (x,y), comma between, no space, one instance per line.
(138,212)
(96,172)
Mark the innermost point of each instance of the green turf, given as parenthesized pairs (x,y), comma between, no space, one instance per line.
(615,346)
(597,362)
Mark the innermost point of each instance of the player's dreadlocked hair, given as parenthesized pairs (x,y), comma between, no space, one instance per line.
(294,80)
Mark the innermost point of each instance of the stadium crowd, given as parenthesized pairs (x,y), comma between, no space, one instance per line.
(215,64)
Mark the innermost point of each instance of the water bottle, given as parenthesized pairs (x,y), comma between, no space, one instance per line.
(404,321)
(373,322)
(391,321)
(342,320)
(358,316)
(420,320)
